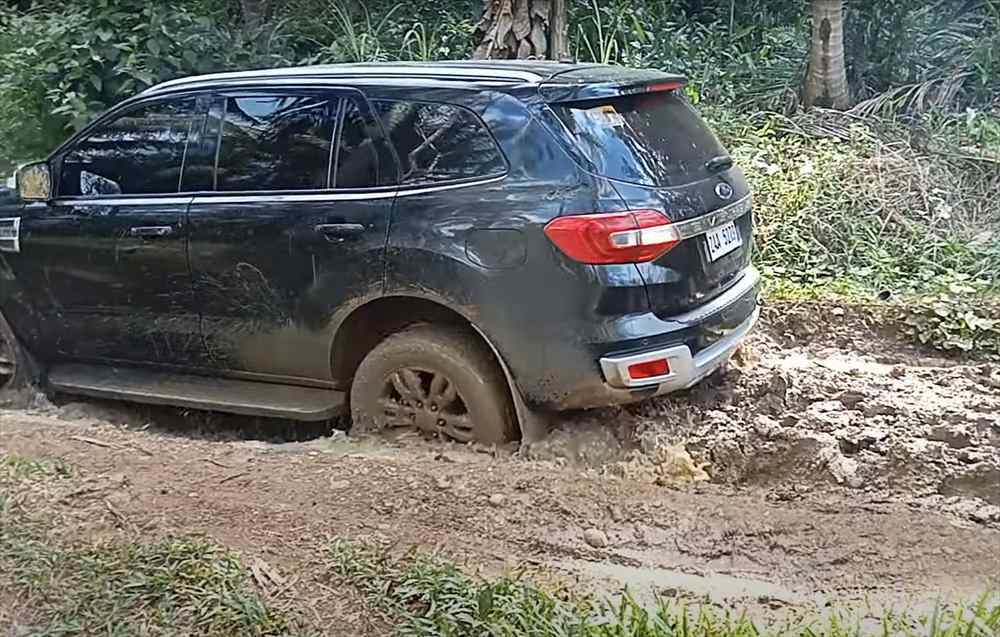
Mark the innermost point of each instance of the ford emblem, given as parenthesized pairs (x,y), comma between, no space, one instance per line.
(724,191)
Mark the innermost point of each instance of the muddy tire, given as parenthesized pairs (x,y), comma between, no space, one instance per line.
(17,369)
(436,380)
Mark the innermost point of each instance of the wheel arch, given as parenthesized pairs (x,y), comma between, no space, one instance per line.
(367,325)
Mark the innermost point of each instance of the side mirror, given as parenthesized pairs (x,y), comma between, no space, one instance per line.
(34,182)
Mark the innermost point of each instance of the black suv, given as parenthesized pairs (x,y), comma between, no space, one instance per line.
(451,247)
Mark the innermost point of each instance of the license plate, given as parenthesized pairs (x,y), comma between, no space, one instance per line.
(722,240)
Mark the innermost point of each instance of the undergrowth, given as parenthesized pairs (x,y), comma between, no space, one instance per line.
(425,597)
(174,587)
(872,209)
(862,204)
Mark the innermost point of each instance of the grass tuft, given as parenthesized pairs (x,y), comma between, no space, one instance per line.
(14,467)
(426,597)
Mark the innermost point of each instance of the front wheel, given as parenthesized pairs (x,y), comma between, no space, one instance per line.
(436,380)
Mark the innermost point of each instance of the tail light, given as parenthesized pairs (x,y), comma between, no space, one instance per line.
(649,369)
(632,236)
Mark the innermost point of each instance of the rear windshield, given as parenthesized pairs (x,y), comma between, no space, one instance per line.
(653,139)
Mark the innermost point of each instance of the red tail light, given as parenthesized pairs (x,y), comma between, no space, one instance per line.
(649,369)
(633,236)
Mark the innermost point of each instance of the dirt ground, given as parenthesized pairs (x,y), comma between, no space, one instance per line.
(829,461)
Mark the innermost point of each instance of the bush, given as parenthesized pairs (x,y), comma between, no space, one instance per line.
(58,70)
(882,206)
(954,318)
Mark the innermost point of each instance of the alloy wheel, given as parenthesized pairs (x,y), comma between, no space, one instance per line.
(426,400)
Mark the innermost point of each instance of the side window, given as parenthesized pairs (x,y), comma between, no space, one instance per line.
(439,142)
(357,163)
(139,153)
(275,143)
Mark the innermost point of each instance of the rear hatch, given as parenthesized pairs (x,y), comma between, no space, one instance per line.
(637,130)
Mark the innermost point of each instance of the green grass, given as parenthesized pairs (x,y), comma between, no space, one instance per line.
(426,597)
(59,588)
(14,467)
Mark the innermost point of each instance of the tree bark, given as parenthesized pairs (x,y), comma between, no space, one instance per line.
(255,13)
(826,80)
(523,29)
(559,26)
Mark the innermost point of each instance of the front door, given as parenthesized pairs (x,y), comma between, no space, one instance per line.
(106,261)
(295,226)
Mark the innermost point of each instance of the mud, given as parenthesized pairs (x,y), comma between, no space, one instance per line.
(833,464)
(794,414)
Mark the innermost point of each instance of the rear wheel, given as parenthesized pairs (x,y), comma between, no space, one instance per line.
(435,380)
(15,366)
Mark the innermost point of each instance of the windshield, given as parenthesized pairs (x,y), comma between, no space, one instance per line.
(653,139)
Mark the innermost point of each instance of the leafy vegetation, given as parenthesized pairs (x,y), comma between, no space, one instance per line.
(955,319)
(60,63)
(15,467)
(898,193)
(844,199)
(430,598)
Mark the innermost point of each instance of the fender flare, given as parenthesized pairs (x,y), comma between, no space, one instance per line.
(532,423)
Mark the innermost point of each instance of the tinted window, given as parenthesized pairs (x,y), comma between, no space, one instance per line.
(357,163)
(275,143)
(139,153)
(439,142)
(654,139)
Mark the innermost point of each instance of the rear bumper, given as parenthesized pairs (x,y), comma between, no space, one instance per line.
(685,369)
(724,323)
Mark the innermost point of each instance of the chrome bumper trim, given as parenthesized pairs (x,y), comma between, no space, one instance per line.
(704,223)
(750,280)
(685,369)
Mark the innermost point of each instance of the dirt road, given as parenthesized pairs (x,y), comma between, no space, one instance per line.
(821,464)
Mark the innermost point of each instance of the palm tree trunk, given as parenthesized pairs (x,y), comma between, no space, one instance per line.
(523,29)
(826,80)
(255,13)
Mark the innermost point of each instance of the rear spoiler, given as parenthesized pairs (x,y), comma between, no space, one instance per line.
(603,82)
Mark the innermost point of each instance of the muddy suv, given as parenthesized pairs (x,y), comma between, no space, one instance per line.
(450,247)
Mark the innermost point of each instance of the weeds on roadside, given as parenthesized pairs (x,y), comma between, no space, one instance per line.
(174,587)
(16,467)
(426,597)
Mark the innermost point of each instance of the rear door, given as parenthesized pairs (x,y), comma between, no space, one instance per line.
(106,260)
(294,226)
(659,154)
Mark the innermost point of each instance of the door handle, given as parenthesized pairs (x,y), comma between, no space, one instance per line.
(340,230)
(151,232)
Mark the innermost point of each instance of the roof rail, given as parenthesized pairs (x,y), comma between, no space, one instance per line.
(436,71)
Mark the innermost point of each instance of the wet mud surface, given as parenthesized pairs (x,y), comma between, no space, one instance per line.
(824,463)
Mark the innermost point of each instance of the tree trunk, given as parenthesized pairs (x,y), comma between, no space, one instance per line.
(559,27)
(523,29)
(255,13)
(826,80)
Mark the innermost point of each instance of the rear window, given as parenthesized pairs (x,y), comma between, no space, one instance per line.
(653,139)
